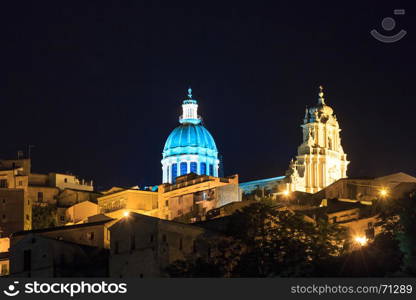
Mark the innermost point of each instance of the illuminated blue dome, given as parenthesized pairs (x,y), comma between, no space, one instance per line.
(190,139)
(190,148)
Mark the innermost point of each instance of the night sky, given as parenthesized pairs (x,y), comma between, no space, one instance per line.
(97,86)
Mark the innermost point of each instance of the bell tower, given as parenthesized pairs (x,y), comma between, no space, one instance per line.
(321,159)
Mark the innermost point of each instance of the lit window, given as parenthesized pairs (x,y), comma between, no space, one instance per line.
(3,183)
(184,168)
(174,172)
(193,167)
(203,168)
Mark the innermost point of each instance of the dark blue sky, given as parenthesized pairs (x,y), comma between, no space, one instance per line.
(96,86)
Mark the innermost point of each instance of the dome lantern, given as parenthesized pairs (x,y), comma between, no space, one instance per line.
(190,110)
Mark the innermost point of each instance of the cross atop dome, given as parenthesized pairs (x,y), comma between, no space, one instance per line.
(321,99)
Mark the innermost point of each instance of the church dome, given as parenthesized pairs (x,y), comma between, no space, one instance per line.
(190,148)
(189,138)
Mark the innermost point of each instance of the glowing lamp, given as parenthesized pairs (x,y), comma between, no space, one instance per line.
(126,214)
(361,240)
(286,193)
(383,192)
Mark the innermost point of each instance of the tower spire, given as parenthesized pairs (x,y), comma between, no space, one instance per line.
(189,93)
(321,99)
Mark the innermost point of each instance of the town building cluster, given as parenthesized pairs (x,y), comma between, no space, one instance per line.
(57,225)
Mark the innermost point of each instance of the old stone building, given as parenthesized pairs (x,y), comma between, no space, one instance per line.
(21,190)
(192,196)
(42,256)
(143,246)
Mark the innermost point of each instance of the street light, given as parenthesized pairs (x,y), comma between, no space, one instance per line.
(383,192)
(361,240)
(125,214)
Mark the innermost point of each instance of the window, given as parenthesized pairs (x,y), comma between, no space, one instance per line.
(20,183)
(164,238)
(166,203)
(193,167)
(203,168)
(194,247)
(27,217)
(90,236)
(40,196)
(3,183)
(4,269)
(132,242)
(4,201)
(152,238)
(27,260)
(184,168)
(180,244)
(62,218)
(66,180)
(3,217)
(211,170)
(174,172)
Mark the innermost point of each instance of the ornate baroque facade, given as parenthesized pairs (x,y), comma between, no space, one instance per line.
(321,159)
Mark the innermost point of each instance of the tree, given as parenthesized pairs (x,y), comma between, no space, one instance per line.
(44,216)
(399,218)
(273,242)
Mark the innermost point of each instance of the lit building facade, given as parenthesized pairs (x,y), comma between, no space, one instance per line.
(190,148)
(321,159)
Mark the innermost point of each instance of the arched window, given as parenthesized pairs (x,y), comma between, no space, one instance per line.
(211,170)
(203,168)
(174,172)
(184,168)
(193,167)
